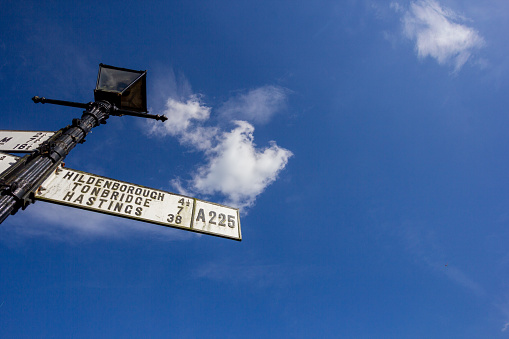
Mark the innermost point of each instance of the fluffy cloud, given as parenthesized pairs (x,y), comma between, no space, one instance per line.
(438,35)
(182,120)
(237,169)
(257,105)
(234,166)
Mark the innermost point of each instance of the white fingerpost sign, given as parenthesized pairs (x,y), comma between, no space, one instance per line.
(6,161)
(100,194)
(22,141)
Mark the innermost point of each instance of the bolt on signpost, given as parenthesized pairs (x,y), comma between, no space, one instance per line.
(40,174)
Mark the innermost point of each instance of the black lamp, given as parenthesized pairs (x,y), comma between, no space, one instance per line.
(122,87)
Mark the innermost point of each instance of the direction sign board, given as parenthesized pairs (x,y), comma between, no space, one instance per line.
(22,141)
(100,194)
(6,161)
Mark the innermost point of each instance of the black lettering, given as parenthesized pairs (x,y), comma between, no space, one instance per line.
(146,193)
(201,215)
(147,202)
(105,193)
(85,189)
(107,184)
(114,195)
(138,211)
(79,199)
(123,188)
(129,198)
(90,180)
(76,184)
(68,175)
(68,196)
(138,200)
(222,219)
(115,186)
(160,197)
(118,207)
(102,201)
(99,182)
(95,191)
(128,209)
(81,179)
(231,221)
(153,195)
(130,190)
(91,201)
(212,221)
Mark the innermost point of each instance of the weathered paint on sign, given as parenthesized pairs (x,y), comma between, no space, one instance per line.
(6,161)
(22,141)
(88,191)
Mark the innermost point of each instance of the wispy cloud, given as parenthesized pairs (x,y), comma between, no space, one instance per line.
(438,33)
(66,224)
(257,105)
(261,275)
(249,273)
(502,304)
(506,325)
(234,166)
(425,245)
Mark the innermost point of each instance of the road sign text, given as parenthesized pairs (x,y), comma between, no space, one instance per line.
(100,194)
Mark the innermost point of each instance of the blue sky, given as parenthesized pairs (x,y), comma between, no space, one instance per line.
(364,141)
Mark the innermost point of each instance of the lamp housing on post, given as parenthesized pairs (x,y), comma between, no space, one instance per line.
(124,88)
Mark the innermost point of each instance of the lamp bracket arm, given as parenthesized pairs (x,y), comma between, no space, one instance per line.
(43,100)
(119,112)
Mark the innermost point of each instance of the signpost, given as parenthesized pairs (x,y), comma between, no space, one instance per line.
(99,194)
(40,175)
(22,141)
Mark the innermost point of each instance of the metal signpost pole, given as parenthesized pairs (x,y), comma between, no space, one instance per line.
(18,184)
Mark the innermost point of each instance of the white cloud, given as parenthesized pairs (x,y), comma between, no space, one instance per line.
(257,105)
(180,115)
(438,35)
(234,166)
(183,122)
(237,169)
